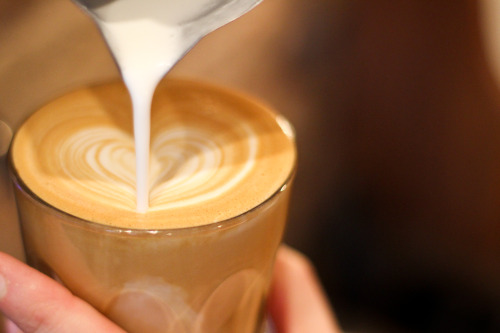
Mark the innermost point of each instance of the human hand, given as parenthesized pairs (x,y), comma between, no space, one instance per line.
(36,303)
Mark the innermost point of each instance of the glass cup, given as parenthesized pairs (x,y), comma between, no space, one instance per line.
(211,278)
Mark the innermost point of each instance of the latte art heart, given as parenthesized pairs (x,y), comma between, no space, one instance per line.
(186,167)
(208,150)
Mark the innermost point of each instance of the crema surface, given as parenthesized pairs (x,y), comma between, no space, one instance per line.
(214,154)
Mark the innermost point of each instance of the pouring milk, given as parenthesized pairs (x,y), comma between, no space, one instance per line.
(147,38)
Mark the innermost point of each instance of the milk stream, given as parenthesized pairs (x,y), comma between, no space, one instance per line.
(147,38)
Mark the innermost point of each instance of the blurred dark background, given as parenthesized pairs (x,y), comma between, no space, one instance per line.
(397,110)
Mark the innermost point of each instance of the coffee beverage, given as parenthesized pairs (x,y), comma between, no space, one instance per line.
(213,156)
(200,258)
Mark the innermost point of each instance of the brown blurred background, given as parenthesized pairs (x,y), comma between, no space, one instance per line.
(397,110)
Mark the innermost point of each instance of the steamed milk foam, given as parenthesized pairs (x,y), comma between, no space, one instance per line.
(147,38)
(214,155)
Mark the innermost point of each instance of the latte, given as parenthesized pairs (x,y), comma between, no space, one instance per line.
(200,259)
(214,155)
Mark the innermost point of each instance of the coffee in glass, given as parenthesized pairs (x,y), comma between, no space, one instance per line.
(200,259)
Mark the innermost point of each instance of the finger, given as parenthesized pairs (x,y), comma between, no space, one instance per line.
(36,303)
(297,301)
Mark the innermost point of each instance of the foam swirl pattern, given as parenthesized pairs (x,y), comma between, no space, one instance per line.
(214,155)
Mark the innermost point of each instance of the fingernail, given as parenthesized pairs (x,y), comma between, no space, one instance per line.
(3,287)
